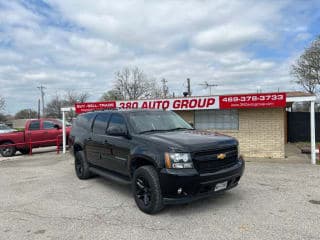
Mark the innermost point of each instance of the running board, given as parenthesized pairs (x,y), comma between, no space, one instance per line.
(110,175)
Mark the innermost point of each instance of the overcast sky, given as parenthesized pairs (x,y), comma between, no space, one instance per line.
(79,45)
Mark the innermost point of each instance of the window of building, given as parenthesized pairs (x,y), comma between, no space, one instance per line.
(217,119)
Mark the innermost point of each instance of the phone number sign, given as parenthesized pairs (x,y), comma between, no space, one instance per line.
(260,100)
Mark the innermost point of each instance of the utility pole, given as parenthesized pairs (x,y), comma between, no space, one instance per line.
(41,88)
(165,88)
(39,108)
(189,87)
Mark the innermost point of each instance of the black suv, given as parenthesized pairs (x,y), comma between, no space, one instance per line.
(162,156)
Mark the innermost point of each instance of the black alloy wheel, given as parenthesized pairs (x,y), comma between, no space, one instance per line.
(147,190)
(81,166)
(143,191)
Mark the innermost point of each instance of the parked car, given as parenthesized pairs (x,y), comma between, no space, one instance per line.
(41,132)
(5,129)
(162,156)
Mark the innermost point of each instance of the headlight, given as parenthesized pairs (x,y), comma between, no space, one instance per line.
(178,160)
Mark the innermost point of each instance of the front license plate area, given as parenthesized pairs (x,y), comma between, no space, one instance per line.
(221,186)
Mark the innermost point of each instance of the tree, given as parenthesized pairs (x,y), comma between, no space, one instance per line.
(73,97)
(53,108)
(26,114)
(111,95)
(132,83)
(3,118)
(307,68)
(2,103)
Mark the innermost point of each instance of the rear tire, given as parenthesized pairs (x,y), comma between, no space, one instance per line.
(81,166)
(24,151)
(146,190)
(7,151)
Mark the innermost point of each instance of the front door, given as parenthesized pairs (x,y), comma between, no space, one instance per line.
(118,146)
(96,149)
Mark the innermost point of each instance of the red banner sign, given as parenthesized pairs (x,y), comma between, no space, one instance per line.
(191,103)
(88,107)
(259,100)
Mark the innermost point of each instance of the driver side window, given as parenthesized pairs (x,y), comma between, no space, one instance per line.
(117,121)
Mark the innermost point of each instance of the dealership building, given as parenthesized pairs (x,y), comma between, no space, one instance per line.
(258,121)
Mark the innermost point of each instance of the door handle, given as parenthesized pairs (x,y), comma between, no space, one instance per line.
(89,139)
(105,141)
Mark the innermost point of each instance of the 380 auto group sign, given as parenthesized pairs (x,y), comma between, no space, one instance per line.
(265,100)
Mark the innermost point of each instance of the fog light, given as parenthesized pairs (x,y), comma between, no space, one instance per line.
(179,190)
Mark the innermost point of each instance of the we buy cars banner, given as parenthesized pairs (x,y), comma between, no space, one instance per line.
(92,106)
(259,100)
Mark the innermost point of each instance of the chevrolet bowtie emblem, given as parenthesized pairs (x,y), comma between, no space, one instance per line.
(221,156)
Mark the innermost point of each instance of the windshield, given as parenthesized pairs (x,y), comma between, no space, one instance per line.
(157,121)
(4,127)
(68,124)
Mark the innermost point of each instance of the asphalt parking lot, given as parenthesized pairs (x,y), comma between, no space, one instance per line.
(41,198)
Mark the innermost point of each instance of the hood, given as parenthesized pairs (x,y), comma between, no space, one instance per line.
(190,140)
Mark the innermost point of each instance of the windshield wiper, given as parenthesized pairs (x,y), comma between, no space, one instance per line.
(179,128)
(154,130)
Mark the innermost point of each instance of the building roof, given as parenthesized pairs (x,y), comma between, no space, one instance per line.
(299,94)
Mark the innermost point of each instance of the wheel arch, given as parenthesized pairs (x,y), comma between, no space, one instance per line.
(138,161)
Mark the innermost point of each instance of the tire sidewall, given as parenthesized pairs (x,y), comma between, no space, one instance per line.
(11,153)
(149,174)
(79,156)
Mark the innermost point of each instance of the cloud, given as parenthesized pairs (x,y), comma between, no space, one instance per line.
(79,45)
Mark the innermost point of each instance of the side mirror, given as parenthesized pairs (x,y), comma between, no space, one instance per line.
(57,126)
(117,131)
(191,124)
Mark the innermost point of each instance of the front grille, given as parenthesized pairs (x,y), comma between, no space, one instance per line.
(207,161)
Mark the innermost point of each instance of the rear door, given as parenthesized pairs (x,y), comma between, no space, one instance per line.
(97,152)
(50,132)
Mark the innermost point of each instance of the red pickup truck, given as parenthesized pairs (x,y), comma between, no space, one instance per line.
(40,132)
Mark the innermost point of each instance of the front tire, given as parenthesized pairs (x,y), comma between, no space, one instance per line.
(146,190)
(7,151)
(81,166)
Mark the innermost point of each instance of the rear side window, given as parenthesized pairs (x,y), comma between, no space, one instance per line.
(34,125)
(101,123)
(84,121)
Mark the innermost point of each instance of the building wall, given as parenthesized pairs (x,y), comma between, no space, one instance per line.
(261,131)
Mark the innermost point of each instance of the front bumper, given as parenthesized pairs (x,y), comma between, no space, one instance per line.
(194,185)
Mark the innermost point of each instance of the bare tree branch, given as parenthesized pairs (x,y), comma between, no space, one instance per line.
(306,70)
(2,103)
(132,83)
